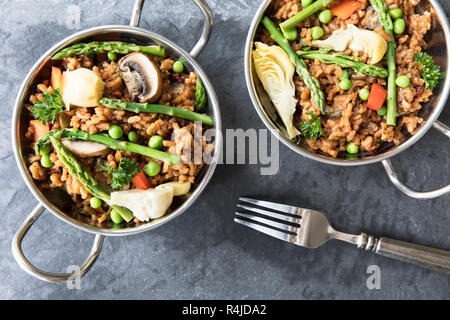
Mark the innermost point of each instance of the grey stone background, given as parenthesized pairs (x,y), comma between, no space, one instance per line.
(203,254)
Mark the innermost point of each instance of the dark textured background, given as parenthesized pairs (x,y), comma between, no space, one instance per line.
(203,254)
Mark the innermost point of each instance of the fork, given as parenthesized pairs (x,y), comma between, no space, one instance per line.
(310,229)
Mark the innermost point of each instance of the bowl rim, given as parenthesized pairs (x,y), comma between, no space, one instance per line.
(154,37)
(328,160)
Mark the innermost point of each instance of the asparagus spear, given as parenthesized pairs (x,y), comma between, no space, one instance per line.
(289,24)
(300,66)
(345,62)
(156,108)
(386,21)
(106,140)
(107,46)
(91,185)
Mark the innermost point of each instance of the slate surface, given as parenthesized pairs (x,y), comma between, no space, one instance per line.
(203,254)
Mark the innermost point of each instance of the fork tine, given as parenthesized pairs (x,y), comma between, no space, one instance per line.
(281,216)
(268,222)
(271,232)
(272,205)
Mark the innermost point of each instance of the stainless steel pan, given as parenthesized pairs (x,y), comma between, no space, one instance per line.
(439,44)
(133,34)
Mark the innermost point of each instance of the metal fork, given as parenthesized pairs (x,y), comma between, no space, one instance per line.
(310,229)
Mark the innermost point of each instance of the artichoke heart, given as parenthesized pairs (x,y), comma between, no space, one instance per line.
(81,88)
(276,71)
(358,40)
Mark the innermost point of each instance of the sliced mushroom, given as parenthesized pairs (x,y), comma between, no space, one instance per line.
(85,149)
(142,77)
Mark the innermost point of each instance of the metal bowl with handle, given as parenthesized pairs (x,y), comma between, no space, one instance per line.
(132,34)
(439,48)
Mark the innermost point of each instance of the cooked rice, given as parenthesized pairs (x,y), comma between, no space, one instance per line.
(358,123)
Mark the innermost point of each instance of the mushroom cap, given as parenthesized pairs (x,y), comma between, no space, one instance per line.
(85,149)
(142,77)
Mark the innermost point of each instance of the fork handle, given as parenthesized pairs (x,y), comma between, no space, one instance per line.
(431,258)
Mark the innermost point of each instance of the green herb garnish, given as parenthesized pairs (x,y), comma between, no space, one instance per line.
(431,73)
(200,96)
(124,173)
(47,110)
(311,129)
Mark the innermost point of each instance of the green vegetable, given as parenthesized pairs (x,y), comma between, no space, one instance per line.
(115,132)
(396,13)
(47,110)
(307,11)
(95,203)
(306,3)
(383,111)
(399,26)
(345,84)
(403,81)
(311,129)
(76,134)
(124,173)
(352,148)
(300,66)
(112,56)
(133,136)
(115,216)
(431,73)
(291,34)
(317,32)
(107,46)
(46,162)
(45,150)
(152,168)
(91,185)
(178,67)
(156,142)
(386,21)
(325,16)
(364,94)
(156,108)
(344,61)
(200,95)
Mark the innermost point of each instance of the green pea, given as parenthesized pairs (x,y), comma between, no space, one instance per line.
(325,16)
(345,75)
(382,111)
(403,81)
(45,149)
(290,34)
(345,84)
(178,67)
(112,56)
(352,148)
(115,132)
(396,13)
(133,136)
(115,216)
(317,32)
(46,162)
(364,94)
(95,203)
(155,142)
(152,168)
(399,26)
(306,3)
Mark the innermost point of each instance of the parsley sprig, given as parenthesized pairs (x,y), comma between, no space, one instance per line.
(431,73)
(124,173)
(311,129)
(47,110)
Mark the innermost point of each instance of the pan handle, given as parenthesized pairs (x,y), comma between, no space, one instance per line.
(207,26)
(410,192)
(43,275)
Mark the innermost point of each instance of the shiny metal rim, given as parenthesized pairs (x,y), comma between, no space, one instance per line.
(294,147)
(153,37)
